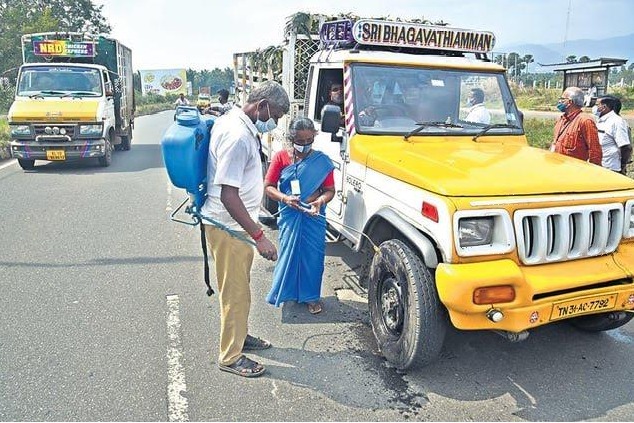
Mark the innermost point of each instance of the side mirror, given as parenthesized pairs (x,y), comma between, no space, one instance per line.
(109,92)
(521,117)
(330,117)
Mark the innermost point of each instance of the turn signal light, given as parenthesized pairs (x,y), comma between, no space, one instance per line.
(494,294)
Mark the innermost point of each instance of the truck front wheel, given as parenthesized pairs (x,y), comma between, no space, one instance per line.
(408,319)
(602,322)
(106,159)
(26,164)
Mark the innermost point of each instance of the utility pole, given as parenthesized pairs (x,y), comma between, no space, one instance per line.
(567,26)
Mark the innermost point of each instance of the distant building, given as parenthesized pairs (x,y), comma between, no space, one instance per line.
(585,75)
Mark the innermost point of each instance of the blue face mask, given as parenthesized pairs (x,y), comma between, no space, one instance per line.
(267,126)
(302,148)
(561,107)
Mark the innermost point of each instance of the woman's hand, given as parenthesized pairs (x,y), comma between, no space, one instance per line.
(291,201)
(315,206)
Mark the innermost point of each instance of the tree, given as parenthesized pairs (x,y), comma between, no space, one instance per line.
(571,59)
(19,17)
(584,59)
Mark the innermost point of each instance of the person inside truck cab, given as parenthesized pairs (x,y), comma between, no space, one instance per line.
(477,112)
(335,98)
(181,100)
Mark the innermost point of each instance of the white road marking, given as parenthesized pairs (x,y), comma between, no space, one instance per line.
(529,396)
(168,206)
(11,163)
(176,403)
(620,336)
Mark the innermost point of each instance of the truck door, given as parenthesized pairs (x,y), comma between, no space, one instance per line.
(323,85)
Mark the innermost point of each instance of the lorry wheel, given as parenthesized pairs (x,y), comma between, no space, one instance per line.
(601,322)
(106,160)
(126,140)
(408,320)
(26,164)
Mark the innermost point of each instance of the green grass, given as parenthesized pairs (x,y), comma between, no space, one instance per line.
(4,138)
(539,132)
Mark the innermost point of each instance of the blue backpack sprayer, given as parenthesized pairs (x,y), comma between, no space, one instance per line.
(185,148)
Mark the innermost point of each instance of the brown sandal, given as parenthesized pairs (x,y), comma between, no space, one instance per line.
(244,367)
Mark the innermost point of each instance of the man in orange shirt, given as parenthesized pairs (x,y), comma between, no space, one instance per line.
(576,133)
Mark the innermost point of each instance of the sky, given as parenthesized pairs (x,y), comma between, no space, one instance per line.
(204,34)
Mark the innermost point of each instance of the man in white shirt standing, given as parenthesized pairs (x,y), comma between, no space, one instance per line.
(613,134)
(235,188)
(477,112)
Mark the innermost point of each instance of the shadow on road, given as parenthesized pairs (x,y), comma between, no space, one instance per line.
(139,158)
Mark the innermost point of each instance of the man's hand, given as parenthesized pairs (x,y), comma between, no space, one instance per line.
(266,248)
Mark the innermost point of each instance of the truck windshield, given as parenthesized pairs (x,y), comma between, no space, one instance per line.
(418,101)
(53,81)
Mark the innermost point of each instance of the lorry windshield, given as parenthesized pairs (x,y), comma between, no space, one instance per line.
(399,100)
(51,81)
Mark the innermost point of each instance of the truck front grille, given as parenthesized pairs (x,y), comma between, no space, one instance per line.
(41,129)
(568,233)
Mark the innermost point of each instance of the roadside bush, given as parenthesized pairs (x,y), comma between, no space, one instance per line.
(539,132)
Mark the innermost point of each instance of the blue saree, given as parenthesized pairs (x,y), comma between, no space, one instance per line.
(300,265)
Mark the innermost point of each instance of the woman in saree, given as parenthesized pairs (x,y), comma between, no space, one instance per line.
(302,180)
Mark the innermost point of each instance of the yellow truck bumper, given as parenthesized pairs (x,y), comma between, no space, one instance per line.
(543,293)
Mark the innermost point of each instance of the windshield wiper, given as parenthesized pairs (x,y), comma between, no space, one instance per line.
(423,125)
(489,127)
(36,95)
(52,92)
(80,94)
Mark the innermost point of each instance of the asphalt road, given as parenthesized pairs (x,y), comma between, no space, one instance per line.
(104,317)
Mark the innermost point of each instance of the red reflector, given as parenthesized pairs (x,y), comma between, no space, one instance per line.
(430,212)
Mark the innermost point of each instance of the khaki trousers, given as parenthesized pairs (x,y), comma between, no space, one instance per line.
(233,259)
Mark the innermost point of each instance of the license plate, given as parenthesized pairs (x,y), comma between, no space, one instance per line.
(586,305)
(55,155)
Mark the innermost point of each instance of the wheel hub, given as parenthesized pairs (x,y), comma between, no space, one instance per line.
(391,305)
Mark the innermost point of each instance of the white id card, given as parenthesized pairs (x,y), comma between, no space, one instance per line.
(295,190)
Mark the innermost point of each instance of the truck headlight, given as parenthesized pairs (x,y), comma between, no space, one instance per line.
(475,231)
(483,232)
(88,130)
(20,130)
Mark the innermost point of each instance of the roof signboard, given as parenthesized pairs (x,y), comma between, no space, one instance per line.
(406,34)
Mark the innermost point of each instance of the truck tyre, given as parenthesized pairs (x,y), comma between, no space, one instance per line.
(26,164)
(408,319)
(126,140)
(106,160)
(602,322)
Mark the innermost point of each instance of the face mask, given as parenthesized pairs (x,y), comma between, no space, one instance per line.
(561,107)
(267,126)
(595,111)
(302,148)
(470,102)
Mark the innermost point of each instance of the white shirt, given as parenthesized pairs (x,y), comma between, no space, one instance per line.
(234,160)
(183,102)
(612,136)
(479,114)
